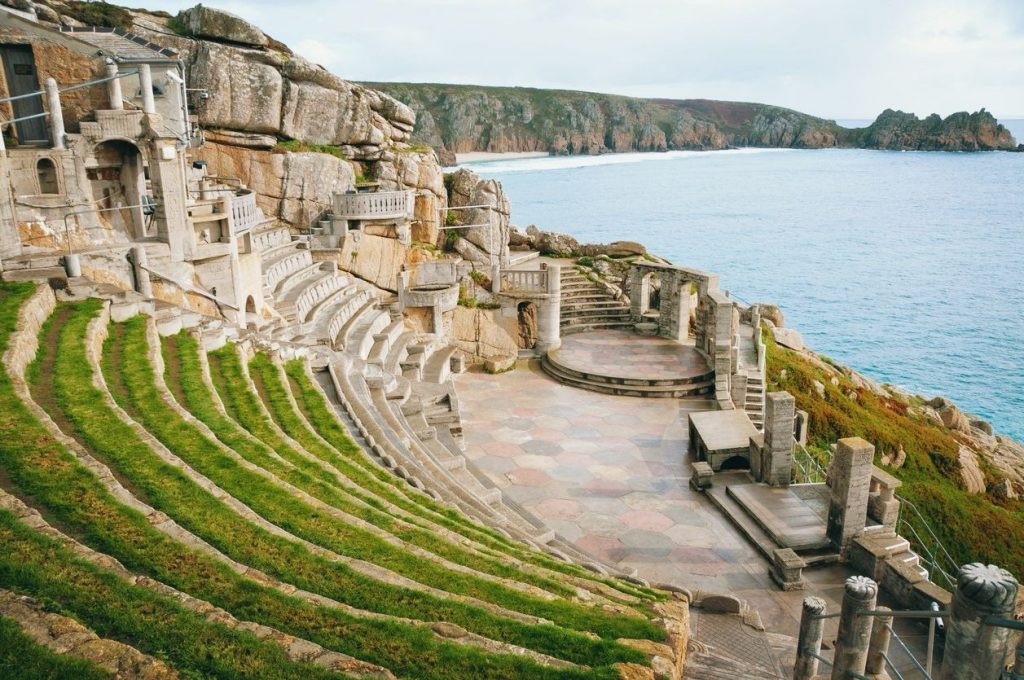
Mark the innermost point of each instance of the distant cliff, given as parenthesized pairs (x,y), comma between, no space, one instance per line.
(462,118)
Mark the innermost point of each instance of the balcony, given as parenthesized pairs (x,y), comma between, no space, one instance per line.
(380,205)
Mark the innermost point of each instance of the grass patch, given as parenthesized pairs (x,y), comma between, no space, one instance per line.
(23,657)
(99,13)
(298,146)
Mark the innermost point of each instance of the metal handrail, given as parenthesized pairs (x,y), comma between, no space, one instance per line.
(70,88)
(811,472)
(937,559)
(906,650)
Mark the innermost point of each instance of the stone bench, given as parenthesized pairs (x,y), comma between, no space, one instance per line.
(702,475)
(787,569)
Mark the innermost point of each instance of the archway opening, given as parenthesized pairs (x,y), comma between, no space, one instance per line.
(527,314)
(650,303)
(46,172)
(251,317)
(735,463)
(118,182)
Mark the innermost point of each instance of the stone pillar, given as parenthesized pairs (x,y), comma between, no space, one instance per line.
(170,191)
(496,278)
(975,650)
(638,292)
(811,629)
(549,312)
(880,636)
(143,284)
(851,482)
(56,113)
(777,466)
(10,239)
(146,85)
(72,265)
(403,284)
(851,652)
(114,88)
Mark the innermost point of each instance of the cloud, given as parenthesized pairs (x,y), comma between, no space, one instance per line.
(839,59)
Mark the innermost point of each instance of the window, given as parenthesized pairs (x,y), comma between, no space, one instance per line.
(46,171)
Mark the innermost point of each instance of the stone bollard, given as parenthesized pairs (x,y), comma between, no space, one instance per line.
(851,653)
(143,283)
(811,628)
(880,636)
(976,650)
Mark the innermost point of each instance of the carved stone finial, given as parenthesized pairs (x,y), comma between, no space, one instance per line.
(814,605)
(987,585)
(861,588)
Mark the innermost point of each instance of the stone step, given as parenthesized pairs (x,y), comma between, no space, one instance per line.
(750,529)
(672,391)
(569,328)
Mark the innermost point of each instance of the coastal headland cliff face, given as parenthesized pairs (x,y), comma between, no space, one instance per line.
(461,118)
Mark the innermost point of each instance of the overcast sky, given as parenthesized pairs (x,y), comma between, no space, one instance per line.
(831,58)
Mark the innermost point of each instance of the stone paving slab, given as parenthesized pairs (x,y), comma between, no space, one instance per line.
(724,430)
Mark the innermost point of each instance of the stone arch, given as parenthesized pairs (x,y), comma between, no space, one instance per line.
(526,337)
(736,462)
(46,173)
(117,180)
(251,315)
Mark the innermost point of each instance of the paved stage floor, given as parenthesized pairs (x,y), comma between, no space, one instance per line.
(648,358)
(611,474)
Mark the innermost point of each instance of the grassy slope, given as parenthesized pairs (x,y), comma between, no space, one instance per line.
(931,465)
(23,657)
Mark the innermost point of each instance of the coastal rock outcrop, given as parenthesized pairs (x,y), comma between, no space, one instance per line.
(461,118)
(480,232)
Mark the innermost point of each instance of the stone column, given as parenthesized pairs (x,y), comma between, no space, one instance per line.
(549,312)
(143,284)
(114,88)
(811,629)
(851,482)
(56,113)
(403,284)
(638,292)
(777,465)
(880,636)
(975,650)
(10,239)
(851,653)
(146,85)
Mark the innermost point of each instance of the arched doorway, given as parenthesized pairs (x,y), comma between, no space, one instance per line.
(527,335)
(251,317)
(118,181)
(650,303)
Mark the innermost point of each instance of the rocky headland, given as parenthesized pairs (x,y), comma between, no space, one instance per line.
(464,118)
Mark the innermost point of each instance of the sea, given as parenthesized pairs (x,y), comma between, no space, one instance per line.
(906,266)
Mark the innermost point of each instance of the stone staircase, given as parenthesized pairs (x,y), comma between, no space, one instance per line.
(587,305)
(754,402)
(671,388)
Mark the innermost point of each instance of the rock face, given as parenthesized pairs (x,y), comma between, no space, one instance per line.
(479,243)
(477,332)
(207,22)
(460,118)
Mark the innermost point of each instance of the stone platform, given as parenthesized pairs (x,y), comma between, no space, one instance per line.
(718,436)
(793,516)
(627,364)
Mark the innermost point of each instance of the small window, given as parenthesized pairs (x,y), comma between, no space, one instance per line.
(157,92)
(47,173)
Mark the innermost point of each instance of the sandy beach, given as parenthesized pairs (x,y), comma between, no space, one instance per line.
(479,156)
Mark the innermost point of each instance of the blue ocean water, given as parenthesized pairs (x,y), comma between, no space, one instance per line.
(904,265)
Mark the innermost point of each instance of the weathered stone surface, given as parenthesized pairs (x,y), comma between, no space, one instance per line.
(375,259)
(216,24)
(954,419)
(772,313)
(625,248)
(466,188)
(245,85)
(971,476)
(478,334)
(787,337)
(552,242)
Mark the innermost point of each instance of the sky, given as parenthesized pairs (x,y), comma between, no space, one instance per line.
(836,59)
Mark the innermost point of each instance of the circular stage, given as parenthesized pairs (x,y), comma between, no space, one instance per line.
(622,362)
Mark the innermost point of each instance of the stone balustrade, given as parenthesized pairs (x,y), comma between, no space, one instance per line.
(380,205)
(524,280)
(245,214)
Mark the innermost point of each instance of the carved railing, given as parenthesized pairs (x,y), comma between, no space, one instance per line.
(375,206)
(244,213)
(524,280)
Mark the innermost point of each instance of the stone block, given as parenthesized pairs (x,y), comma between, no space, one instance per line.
(500,364)
(458,363)
(726,604)
(787,569)
(702,475)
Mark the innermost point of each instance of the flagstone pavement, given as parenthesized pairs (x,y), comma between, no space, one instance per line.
(611,474)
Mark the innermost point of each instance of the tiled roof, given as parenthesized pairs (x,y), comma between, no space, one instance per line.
(116,42)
